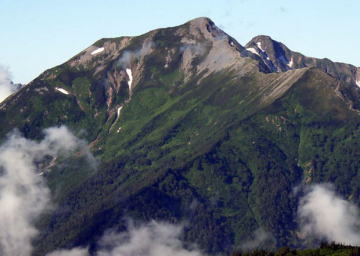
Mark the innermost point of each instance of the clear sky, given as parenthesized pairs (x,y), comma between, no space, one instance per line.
(38,34)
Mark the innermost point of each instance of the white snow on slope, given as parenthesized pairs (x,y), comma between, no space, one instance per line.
(129,73)
(118,111)
(118,116)
(62,90)
(253,50)
(291,63)
(358,83)
(259,45)
(97,51)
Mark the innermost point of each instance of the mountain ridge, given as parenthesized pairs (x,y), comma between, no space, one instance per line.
(188,125)
(281,58)
(346,72)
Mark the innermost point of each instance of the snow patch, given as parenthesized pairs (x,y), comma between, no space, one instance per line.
(129,73)
(259,45)
(358,83)
(62,90)
(118,111)
(291,63)
(253,50)
(97,51)
(118,116)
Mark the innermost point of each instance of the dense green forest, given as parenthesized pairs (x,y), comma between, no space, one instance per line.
(325,249)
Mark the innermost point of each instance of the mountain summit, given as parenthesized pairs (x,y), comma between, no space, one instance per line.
(190,126)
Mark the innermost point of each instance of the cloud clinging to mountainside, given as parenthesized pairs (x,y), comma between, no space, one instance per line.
(326,215)
(6,87)
(24,194)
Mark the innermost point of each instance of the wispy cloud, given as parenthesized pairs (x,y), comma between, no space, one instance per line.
(71,252)
(151,239)
(193,49)
(325,215)
(24,195)
(260,240)
(6,86)
(129,56)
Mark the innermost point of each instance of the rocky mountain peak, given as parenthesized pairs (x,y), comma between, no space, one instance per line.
(200,21)
(202,29)
(275,55)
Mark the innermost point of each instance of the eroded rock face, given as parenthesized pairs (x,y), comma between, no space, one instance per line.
(213,49)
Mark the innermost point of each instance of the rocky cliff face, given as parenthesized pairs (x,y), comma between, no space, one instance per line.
(188,125)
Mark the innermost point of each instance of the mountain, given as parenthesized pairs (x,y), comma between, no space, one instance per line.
(190,126)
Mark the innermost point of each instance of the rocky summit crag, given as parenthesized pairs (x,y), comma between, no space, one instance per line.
(188,126)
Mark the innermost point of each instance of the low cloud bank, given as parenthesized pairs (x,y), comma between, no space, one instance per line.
(325,215)
(152,239)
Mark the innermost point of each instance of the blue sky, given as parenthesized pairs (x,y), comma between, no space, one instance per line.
(39,34)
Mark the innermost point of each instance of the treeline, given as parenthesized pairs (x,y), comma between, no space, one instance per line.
(325,249)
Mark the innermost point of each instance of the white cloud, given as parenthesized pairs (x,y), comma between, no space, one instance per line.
(151,239)
(194,49)
(72,252)
(326,215)
(24,194)
(129,56)
(6,87)
(260,240)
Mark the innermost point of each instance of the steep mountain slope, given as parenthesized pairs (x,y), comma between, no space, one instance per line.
(190,126)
